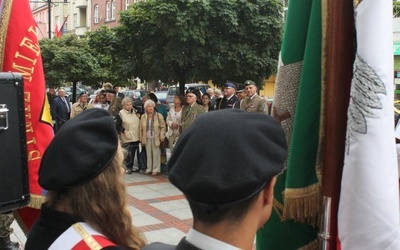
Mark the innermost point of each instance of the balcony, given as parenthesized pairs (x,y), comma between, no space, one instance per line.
(81,4)
(80,31)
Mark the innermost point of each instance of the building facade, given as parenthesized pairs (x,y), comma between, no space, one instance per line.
(77,16)
(40,13)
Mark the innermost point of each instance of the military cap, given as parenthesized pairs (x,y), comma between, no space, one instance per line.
(80,151)
(112,91)
(240,88)
(82,93)
(251,151)
(229,85)
(249,82)
(194,91)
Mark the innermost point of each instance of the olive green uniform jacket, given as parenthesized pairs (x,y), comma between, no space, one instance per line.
(255,104)
(189,114)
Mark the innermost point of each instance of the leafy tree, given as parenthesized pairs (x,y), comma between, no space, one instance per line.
(201,40)
(103,45)
(69,59)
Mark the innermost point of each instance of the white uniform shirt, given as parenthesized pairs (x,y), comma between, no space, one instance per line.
(203,241)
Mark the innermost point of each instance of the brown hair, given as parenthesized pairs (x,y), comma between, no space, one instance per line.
(102,203)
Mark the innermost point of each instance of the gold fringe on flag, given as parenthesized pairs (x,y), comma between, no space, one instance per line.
(303,204)
(313,245)
(5,17)
(36,201)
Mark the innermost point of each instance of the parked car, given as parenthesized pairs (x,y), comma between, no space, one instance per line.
(174,90)
(162,98)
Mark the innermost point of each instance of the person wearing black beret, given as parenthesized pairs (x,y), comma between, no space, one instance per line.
(191,110)
(80,105)
(241,94)
(230,197)
(114,102)
(82,171)
(253,102)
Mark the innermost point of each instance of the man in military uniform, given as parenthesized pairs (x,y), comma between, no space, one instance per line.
(253,102)
(6,220)
(115,103)
(241,94)
(229,98)
(191,111)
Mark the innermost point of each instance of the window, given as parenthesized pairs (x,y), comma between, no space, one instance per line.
(107,11)
(126,4)
(96,13)
(75,21)
(113,10)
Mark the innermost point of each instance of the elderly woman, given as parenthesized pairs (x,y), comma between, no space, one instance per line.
(152,133)
(80,105)
(127,125)
(174,121)
(86,205)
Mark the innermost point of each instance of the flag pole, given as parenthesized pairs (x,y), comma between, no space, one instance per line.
(338,60)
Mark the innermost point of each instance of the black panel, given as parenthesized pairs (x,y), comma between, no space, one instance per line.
(14,189)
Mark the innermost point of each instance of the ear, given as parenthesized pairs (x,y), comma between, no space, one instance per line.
(269,191)
(268,199)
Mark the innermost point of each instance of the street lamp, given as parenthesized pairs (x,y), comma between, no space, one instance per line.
(49,12)
(49,2)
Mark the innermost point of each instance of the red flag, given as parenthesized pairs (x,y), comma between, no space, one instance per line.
(21,53)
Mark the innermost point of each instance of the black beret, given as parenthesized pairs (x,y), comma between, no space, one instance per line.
(82,93)
(240,88)
(214,168)
(111,91)
(79,151)
(249,82)
(153,97)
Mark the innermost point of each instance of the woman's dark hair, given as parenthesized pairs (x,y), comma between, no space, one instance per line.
(209,103)
(234,214)
(153,97)
(181,98)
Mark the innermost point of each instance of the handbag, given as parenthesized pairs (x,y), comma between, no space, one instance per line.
(164,144)
(142,158)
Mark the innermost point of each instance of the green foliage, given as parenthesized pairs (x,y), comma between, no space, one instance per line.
(200,40)
(396,8)
(103,45)
(69,59)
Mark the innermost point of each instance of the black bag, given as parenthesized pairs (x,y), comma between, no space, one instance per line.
(164,144)
(142,159)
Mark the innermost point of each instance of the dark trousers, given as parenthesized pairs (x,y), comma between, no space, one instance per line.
(132,148)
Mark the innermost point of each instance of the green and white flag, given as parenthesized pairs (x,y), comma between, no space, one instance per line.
(297,106)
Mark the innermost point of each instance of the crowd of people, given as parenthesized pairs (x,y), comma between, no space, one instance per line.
(145,133)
